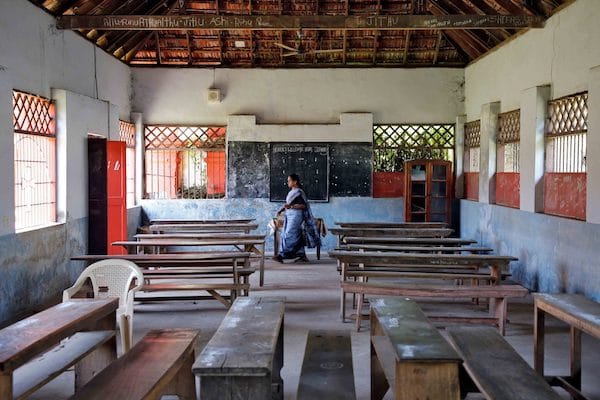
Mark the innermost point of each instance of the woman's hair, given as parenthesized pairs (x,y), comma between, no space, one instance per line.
(296,179)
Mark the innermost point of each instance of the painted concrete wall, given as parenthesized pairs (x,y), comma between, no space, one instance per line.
(337,209)
(561,54)
(555,254)
(298,96)
(92,91)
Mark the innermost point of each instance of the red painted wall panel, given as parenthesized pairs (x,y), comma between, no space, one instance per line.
(564,194)
(508,189)
(117,194)
(215,172)
(388,184)
(472,186)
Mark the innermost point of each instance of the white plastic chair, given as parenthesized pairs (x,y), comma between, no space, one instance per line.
(116,275)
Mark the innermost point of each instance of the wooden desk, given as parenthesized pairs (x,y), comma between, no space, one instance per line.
(249,245)
(215,227)
(245,354)
(93,348)
(409,354)
(582,315)
(398,241)
(237,263)
(161,221)
(277,235)
(342,233)
(416,249)
(438,225)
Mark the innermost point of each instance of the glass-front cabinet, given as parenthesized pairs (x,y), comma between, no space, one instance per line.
(428,190)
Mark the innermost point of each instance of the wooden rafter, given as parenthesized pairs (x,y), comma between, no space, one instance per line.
(315,22)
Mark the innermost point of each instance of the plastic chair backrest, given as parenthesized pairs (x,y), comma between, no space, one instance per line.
(112,278)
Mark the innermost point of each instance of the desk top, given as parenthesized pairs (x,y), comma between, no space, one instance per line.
(204,227)
(27,338)
(392,224)
(399,232)
(246,341)
(160,221)
(408,240)
(191,257)
(187,242)
(573,309)
(393,257)
(199,235)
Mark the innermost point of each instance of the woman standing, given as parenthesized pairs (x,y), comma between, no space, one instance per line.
(297,217)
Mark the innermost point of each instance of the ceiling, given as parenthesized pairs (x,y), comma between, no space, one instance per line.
(300,48)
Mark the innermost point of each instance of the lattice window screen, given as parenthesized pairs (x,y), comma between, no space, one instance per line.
(33,114)
(184,137)
(472,142)
(508,140)
(127,133)
(395,144)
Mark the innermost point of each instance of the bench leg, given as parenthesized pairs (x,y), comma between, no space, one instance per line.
(500,314)
(379,383)
(575,378)
(359,307)
(538,340)
(184,383)
(276,381)
(97,360)
(343,305)
(6,386)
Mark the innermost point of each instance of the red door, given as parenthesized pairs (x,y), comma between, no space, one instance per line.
(117,194)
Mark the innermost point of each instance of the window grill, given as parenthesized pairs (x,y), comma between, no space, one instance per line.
(472,143)
(566,134)
(185,162)
(508,141)
(395,144)
(35,160)
(127,135)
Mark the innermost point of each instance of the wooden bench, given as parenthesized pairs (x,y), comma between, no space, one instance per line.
(498,292)
(408,241)
(212,227)
(416,249)
(327,367)
(235,290)
(342,233)
(244,357)
(409,355)
(391,224)
(161,221)
(495,368)
(582,315)
(30,353)
(157,365)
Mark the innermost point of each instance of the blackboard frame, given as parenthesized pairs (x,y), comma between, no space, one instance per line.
(297,144)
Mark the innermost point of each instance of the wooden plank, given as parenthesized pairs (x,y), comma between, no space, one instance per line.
(167,287)
(146,370)
(411,336)
(408,241)
(188,242)
(575,310)
(369,257)
(30,336)
(417,249)
(441,291)
(327,367)
(203,227)
(424,275)
(496,368)
(41,370)
(397,232)
(287,22)
(198,235)
(160,221)
(392,224)
(168,258)
(245,341)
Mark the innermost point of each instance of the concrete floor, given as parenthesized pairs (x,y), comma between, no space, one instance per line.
(312,302)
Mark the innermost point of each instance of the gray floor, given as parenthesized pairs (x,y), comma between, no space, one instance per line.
(312,302)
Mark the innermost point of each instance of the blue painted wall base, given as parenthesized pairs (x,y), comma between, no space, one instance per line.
(555,254)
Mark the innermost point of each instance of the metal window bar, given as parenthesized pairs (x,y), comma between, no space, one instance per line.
(393,144)
(566,134)
(34,160)
(176,161)
(508,141)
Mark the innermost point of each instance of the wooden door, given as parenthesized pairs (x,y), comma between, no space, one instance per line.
(428,190)
(116,195)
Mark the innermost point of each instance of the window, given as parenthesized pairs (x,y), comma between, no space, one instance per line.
(127,135)
(471,159)
(35,160)
(184,162)
(395,144)
(508,179)
(566,134)
(565,179)
(507,140)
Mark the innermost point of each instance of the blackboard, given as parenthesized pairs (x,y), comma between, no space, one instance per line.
(351,169)
(247,170)
(309,161)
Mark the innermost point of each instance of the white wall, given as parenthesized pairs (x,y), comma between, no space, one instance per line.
(561,54)
(36,58)
(291,96)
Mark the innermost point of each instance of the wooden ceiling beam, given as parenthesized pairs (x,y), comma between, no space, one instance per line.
(276,22)
(65,6)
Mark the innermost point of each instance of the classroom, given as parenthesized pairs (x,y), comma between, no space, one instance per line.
(299,199)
